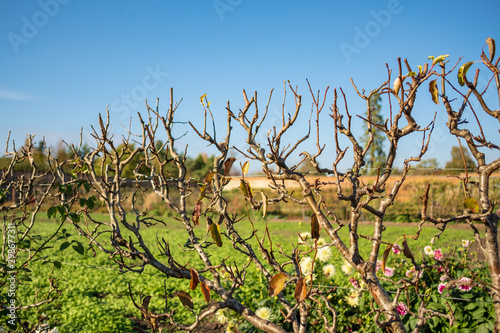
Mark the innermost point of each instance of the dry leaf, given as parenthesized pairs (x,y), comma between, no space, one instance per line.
(264,204)
(386,256)
(227,165)
(434,91)
(301,290)
(197,213)
(277,283)
(194,279)
(185,298)
(314,226)
(407,252)
(205,291)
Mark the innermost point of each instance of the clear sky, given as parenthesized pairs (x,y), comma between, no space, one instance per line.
(63,61)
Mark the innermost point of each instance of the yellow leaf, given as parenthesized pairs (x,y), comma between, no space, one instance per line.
(462,72)
(314,226)
(434,91)
(185,298)
(215,232)
(194,279)
(277,283)
(209,177)
(420,69)
(205,291)
(301,290)
(440,59)
(471,204)
(245,167)
(202,98)
(247,190)
(386,256)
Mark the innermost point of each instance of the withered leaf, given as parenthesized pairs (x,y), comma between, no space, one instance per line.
(434,91)
(185,298)
(386,256)
(471,204)
(264,204)
(491,47)
(277,283)
(301,290)
(314,226)
(194,279)
(209,177)
(197,213)
(407,252)
(228,165)
(205,291)
(215,232)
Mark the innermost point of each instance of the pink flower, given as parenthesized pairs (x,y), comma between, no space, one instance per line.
(389,272)
(440,269)
(443,278)
(379,265)
(354,283)
(438,254)
(402,309)
(441,287)
(396,249)
(464,284)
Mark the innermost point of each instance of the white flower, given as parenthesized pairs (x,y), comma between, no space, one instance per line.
(308,277)
(265,313)
(465,243)
(324,254)
(303,237)
(329,270)
(428,250)
(347,268)
(306,265)
(221,316)
(321,241)
(353,299)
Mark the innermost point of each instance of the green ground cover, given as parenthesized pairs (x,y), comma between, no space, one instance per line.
(95,294)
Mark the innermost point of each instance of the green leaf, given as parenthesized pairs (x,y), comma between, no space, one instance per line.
(462,71)
(471,204)
(86,186)
(57,264)
(61,210)
(491,47)
(51,211)
(79,248)
(64,246)
(215,232)
(74,217)
(82,202)
(91,202)
(434,91)
(24,278)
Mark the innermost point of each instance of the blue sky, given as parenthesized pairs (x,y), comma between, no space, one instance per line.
(63,61)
